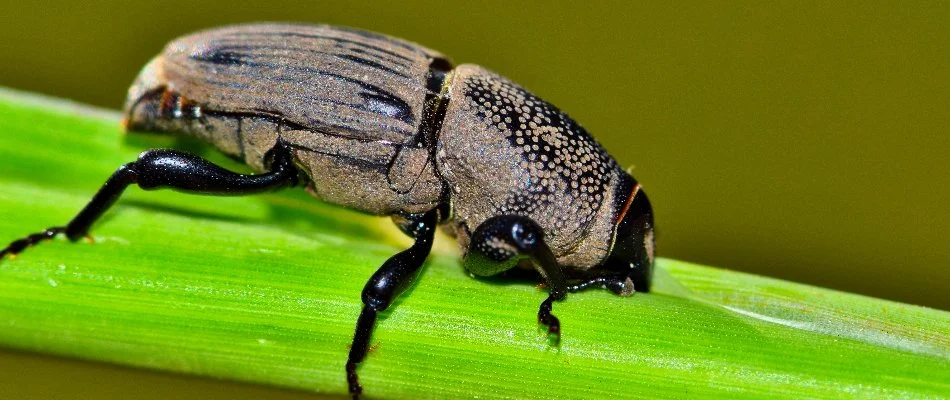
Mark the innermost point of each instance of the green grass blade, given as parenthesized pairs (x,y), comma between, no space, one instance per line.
(266,289)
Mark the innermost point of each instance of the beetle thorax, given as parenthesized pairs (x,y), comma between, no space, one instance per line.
(504,151)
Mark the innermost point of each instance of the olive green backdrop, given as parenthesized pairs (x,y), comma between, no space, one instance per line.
(800,140)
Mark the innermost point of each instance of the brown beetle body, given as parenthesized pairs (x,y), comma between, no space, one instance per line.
(358,110)
(349,105)
(389,127)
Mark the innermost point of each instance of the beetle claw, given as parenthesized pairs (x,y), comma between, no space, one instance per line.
(546,318)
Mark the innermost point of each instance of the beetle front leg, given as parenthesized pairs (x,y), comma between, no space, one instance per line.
(389,281)
(158,169)
(501,242)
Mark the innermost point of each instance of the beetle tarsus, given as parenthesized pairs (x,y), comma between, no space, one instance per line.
(17,246)
(386,284)
(619,285)
(355,389)
(546,318)
(364,330)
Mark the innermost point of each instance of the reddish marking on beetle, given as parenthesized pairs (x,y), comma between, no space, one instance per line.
(169,100)
(166,103)
(626,206)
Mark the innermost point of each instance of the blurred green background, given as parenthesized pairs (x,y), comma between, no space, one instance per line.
(801,140)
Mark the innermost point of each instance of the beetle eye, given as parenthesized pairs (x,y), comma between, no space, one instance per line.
(632,251)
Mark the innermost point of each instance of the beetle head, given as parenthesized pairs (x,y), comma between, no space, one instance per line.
(632,250)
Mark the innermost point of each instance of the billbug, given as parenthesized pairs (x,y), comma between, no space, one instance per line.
(389,127)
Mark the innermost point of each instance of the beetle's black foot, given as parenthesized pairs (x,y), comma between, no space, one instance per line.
(546,318)
(620,285)
(353,380)
(17,246)
(359,348)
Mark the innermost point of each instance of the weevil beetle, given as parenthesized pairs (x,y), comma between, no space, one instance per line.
(389,127)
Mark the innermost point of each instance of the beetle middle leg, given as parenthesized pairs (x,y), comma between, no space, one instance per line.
(501,242)
(387,283)
(159,169)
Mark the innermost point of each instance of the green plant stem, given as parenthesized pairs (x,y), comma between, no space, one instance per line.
(266,289)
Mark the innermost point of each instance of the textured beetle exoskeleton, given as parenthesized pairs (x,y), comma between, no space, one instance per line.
(503,150)
(351,106)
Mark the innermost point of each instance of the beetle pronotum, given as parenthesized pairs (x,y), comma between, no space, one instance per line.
(389,127)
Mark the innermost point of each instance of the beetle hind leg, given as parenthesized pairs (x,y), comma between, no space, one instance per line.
(501,243)
(158,169)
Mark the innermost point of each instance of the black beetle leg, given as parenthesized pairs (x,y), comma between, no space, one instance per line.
(390,280)
(158,169)
(620,285)
(557,288)
(501,242)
